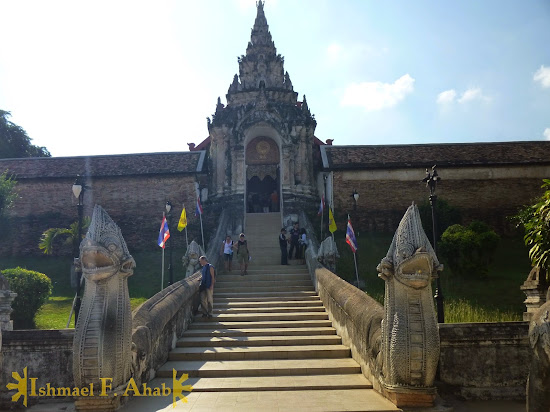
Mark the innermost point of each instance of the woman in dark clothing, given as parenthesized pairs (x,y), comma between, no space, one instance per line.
(283,243)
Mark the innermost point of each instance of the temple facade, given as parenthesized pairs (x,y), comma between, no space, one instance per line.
(261,144)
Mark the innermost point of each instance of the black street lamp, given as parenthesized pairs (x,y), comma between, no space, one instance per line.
(78,192)
(169,215)
(431,180)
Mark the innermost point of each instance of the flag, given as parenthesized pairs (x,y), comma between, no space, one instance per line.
(198,209)
(183,220)
(321,206)
(331,222)
(350,237)
(164,233)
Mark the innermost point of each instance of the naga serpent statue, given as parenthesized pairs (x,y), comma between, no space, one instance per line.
(190,260)
(103,333)
(410,334)
(538,383)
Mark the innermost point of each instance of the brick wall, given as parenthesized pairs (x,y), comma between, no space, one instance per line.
(383,200)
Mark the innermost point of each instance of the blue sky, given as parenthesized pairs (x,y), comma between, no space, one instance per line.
(142,76)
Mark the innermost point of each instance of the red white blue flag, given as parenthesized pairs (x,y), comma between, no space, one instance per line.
(321,206)
(350,237)
(198,209)
(164,233)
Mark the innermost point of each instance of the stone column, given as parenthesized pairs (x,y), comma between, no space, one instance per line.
(6,298)
(535,288)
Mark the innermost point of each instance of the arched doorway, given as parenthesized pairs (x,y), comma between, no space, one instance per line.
(262,175)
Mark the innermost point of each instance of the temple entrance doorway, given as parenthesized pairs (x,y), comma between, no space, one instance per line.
(262,176)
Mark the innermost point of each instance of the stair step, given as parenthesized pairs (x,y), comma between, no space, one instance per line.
(279,367)
(267,309)
(269,304)
(265,299)
(190,333)
(256,295)
(271,383)
(262,324)
(248,283)
(259,352)
(263,277)
(258,317)
(248,341)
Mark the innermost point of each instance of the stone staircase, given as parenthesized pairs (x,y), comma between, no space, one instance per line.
(262,233)
(270,346)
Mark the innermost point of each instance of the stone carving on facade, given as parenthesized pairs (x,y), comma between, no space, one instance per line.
(535,288)
(6,299)
(190,260)
(410,334)
(102,342)
(538,382)
(328,254)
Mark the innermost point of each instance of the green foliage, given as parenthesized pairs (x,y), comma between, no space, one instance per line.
(14,142)
(446,215)
(535,219)
(7,191)
(47,243)
(32,288)
(469,250)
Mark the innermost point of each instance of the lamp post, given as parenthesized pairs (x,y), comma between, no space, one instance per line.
(78,192)
(431,180)
(169,215)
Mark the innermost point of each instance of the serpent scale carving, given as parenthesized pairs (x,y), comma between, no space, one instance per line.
(103,333)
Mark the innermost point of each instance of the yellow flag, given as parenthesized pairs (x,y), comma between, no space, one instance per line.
(331,222)
(183,220)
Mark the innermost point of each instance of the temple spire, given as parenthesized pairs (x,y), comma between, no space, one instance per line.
(260,36)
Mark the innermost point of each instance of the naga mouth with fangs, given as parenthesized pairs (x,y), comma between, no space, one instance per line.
(99,262)
(415,271)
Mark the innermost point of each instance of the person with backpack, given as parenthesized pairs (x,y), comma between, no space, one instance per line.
(206,287)
(303,244)
(227,253)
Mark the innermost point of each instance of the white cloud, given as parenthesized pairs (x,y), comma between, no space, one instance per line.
(546,133)
(377,95)
(542,76)
(472,94)
(446,97)
(334,50)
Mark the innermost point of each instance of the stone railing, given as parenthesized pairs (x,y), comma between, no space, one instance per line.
(161,320)
(158,323)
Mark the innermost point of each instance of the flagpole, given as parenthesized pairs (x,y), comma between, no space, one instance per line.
(331,206)
(186,239)
(162,273)
(322,220)
(202,233)
(356,271)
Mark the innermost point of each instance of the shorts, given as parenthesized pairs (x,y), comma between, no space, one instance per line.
(228,257)
(242,258)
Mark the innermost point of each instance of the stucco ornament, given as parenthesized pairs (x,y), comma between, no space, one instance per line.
(538,395)
(102,342)
(410,334)
(190,260)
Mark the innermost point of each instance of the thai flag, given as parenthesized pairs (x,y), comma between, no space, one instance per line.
(198,209)
(321,206)
(350,237)
(164,233)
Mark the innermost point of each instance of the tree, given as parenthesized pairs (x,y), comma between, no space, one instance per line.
(14,142)
(469,250)
(7,192)
(47,243)
(535,220)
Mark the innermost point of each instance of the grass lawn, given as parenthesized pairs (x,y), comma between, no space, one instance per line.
(495,298)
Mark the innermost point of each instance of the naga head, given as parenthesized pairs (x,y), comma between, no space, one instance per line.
(411,258)
(103,252)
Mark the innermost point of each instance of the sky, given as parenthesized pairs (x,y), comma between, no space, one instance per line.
(110,77)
